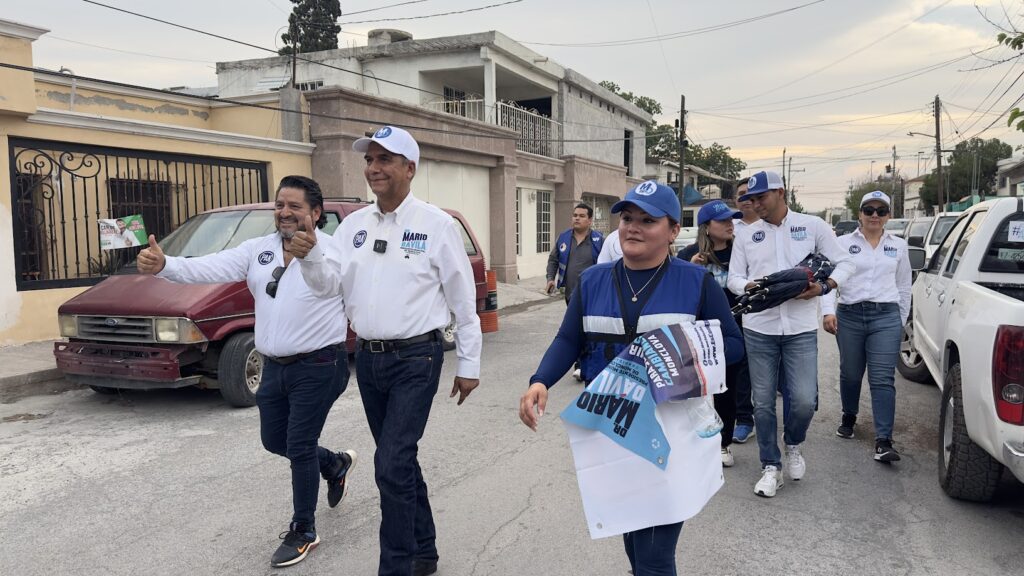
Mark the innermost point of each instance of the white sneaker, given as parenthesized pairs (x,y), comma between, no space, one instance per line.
(795,465)
(770,482)
(577,375)
(727,459)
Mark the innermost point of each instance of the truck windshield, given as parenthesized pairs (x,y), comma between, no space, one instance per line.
(941,228)
(215,231)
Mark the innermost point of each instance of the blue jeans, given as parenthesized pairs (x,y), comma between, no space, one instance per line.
(294,400)
(652,551)
(869,336)
(799,363)
(398,389)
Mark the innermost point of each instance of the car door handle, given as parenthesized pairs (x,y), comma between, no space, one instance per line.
(928,290)
(941,297)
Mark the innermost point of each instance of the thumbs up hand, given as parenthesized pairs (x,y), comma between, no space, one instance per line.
(151,260)
(304,240)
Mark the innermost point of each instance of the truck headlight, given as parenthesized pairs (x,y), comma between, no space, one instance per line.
(181,330)
(68,325)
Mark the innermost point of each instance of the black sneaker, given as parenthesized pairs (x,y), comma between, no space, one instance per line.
(845,429)
(884,452)
(337,486)
(298,542)
(422,567)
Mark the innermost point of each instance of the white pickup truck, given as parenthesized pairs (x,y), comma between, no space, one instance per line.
(967,333)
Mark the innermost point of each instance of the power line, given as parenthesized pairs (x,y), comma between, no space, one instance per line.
(673,35)
(435,15)
(385,7)
(843,58)
(811,126)
(51,36)
(661,45)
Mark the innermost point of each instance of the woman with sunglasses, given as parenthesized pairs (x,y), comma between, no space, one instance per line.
(873,306)
(614,303)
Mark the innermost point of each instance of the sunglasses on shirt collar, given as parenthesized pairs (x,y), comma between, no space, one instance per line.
(871,211)
(272,285)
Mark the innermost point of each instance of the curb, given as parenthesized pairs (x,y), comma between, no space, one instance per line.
(33,377)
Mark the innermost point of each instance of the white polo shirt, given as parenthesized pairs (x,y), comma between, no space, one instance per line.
(408,289)
(883,273)
(611,250)
(294,322)
(762,248)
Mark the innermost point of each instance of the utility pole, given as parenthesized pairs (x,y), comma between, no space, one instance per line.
(892,191)
(682,147)
(938,156)
(783,167)
(295,52)
(919,152)
(789,178)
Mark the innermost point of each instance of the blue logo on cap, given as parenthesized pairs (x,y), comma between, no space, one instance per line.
(359,238)
(876,194)
(266,257)
(647,188)
(383,132)
(854,249)
(758,236)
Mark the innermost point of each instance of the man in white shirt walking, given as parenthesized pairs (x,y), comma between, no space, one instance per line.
(780,240)
(402,266)
(300,338)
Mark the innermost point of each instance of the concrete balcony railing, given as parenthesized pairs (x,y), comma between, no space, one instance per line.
(537,134)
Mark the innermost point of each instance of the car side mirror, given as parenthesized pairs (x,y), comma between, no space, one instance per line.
(917,241)
(916,255)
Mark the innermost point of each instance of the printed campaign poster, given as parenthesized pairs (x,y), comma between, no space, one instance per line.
(639,462)
(124,232)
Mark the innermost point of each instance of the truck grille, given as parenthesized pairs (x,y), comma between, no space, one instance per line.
(115,328)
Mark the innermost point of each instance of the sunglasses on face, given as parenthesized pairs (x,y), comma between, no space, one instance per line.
(882,211)
(272,285)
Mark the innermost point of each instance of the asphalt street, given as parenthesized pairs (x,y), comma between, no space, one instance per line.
(176,482)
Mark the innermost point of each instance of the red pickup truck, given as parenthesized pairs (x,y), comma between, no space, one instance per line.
(135,331)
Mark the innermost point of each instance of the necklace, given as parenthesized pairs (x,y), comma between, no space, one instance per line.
(644,287)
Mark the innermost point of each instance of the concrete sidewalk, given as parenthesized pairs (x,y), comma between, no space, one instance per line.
(33,365)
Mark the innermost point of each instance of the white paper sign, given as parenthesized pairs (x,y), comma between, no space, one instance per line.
(1016,231)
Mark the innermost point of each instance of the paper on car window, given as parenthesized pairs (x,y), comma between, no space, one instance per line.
(1016,231)
(1011,254)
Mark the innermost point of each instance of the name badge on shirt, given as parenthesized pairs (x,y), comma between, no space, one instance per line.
(413,242)
(798,232)
(889,251)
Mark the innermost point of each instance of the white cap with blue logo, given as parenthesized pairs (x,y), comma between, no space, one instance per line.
(876,195)
(394,140)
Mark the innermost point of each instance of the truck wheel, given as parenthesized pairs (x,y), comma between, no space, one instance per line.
(911,365)
(448,335)
(239,370)
(966,472)
(104,390)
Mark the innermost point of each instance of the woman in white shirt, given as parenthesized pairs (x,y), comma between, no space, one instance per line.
(873,306)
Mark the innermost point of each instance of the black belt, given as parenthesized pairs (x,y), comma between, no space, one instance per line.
(286,360)
(379,346)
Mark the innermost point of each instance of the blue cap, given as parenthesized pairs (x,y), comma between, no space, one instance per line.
(656,199)
(762,182)
(716,210)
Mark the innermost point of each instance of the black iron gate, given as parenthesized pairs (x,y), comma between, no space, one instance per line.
(60,191)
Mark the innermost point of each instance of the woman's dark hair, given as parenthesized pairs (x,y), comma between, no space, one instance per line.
(311,191)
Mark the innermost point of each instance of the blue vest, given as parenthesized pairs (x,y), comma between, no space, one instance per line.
(675,298)
(566,242)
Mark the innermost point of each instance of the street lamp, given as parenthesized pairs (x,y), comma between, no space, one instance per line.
(938,158)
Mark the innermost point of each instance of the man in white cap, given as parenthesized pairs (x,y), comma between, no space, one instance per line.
(780,240)
(401,265)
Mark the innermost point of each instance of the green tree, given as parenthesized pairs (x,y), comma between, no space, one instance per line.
(1015,40)
(312,26)
(961,174)
(853,195)
(715,159)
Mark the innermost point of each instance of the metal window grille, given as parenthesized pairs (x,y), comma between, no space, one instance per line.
(543,221)
(310,86)
(60,190)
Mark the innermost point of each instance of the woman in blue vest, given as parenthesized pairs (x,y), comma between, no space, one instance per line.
(617,301)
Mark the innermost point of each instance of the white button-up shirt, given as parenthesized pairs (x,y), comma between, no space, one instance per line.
(883,273)
(296,321)
(408,289)
(611,250)
(762,248)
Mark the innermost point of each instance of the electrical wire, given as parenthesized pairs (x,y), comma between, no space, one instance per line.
(434,15)
(385,7)
(53,37)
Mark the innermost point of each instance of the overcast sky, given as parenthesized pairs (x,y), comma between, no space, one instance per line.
(747,86)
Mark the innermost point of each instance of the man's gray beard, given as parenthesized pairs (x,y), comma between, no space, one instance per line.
(286,235)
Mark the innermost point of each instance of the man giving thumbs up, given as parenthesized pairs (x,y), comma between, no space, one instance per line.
(300,337)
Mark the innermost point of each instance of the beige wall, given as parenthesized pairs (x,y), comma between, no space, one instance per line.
(16,85)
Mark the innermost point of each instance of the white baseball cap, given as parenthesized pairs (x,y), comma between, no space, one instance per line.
(876,195)
(394,140)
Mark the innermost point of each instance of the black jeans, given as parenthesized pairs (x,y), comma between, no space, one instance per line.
(744,404)
(294,400)
(725,403)
(398,389)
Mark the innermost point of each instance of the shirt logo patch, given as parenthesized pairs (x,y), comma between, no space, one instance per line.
(758,236)
(798,232)
(647,188)
(413,242)
(265,257)
(889,251)
(562,247)
(854,249)
(359,238)
(383,132)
